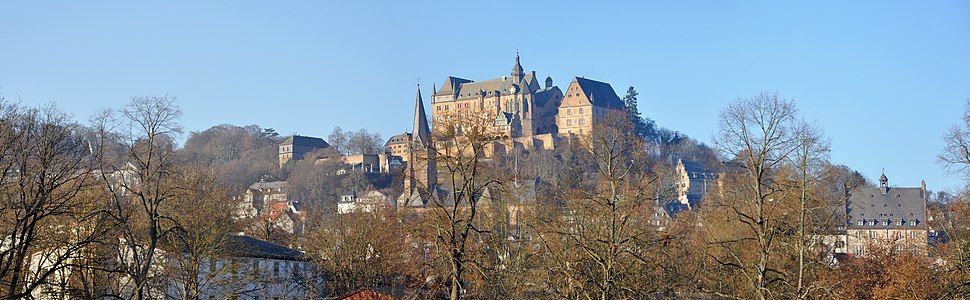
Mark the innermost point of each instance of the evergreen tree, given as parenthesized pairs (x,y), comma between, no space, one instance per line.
(643,127)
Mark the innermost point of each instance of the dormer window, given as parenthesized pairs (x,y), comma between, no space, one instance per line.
(912,223)
(862,223)
(885,223)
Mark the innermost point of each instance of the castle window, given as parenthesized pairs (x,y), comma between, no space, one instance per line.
(569,111)
(582,121)
(569,122)
(580,110)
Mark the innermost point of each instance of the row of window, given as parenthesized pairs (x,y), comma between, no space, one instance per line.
(569,122)
(877,234)
(887,223)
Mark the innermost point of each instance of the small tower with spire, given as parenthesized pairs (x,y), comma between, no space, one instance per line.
(883,183)
(421,175)
(517,71)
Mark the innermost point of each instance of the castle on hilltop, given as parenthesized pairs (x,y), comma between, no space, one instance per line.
(533,116)
(521,113)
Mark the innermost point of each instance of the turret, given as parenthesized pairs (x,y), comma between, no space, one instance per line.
(548,82)
(883,184)
(517,71)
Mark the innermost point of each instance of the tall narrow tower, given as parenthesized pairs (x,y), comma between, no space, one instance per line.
(421,176)
(517,71)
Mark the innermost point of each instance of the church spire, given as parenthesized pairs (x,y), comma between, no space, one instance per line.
(421,133)
(517,71)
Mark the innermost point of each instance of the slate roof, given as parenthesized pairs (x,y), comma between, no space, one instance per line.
(693,167)
(268,185)
(244,246)
(306,141)
(874,207)
(472,89)
(599,93)
(421,133)
(398,139)
(451,86)
(543,96)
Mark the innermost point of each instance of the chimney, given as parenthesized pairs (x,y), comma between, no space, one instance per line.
(926,213)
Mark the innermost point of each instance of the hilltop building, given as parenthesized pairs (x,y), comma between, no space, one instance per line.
(398,145)
(521,112)
(587,102)
(519,105)
(530,114)
(886,217)
(297,146)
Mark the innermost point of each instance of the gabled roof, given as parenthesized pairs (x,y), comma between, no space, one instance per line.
(244,246)
(870,204)
(305,141)
(451,86)
(599,93)
(268,185)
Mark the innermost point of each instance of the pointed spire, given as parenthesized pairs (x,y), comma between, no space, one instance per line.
(421,133)
(517,71)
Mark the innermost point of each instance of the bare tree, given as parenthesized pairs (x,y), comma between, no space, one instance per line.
(141,181)
(45,170)
(364,249)
(809,157)
(462,145)
(203,211)
(338,140)
(756,133)
(363,142)
(597,245)
(955,156)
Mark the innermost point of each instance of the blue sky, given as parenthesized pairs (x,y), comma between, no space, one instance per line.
(883,78)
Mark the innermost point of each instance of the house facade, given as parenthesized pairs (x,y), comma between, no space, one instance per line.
(297,146)
(886,217)
(586,103)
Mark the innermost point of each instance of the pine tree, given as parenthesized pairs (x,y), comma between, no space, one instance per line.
(641,126)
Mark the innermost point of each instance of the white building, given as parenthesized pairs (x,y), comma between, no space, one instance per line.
(367,202)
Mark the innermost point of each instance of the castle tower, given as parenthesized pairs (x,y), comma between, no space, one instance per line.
(421,175)
(517,71)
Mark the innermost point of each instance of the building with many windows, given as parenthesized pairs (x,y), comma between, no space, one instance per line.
(886,217)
